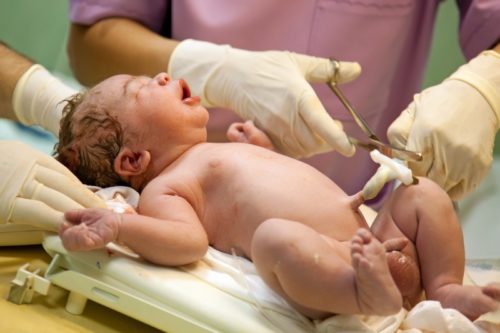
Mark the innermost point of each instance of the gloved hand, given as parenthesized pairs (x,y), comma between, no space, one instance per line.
(454,125)
(270,88)
(37,98)
(35,189)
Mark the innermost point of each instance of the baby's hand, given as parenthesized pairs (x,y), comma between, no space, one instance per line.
(89,229)
(247,132)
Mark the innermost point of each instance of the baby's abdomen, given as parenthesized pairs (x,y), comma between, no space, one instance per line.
(317,203)
(257,185)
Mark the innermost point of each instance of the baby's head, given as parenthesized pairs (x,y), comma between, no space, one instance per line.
(110,134)
(89,143)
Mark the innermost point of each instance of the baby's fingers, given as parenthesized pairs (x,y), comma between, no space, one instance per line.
(80,238)
(87,215)
(64,226)
(74,216)
(75,238)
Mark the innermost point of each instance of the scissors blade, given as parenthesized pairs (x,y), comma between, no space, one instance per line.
(387,150)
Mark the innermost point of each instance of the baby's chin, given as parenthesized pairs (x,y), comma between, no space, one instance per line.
(204,116)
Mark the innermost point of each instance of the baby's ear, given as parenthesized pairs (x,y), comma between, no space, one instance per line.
(131,163)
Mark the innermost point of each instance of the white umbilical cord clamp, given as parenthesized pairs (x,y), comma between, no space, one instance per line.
(390,169)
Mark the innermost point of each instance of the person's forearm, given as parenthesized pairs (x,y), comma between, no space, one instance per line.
(116,46)
(12,66)
(497,48)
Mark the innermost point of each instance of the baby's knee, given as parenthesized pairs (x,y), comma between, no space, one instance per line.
(425,191)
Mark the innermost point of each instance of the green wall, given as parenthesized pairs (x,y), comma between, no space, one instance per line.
(38,29)
(445,55)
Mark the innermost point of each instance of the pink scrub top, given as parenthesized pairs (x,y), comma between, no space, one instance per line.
(389,38)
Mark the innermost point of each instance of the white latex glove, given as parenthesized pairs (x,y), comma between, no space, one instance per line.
(270,88)
(37,98)
(454,125)
(35,189)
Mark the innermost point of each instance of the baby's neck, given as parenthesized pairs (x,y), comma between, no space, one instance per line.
(160,160)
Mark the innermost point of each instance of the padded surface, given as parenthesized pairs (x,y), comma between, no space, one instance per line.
(186,302)
(47,313)
(11,235)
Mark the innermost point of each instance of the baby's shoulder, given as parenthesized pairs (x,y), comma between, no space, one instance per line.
(162,187)
(175,179)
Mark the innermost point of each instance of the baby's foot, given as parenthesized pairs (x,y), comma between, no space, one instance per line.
(376,291)
(471,301)
(247,132)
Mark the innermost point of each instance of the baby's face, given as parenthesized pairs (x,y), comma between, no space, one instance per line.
(158,107)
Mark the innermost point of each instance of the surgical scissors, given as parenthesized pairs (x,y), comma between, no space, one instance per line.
(373,141)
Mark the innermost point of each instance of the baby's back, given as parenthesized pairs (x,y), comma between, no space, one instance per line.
(242,185)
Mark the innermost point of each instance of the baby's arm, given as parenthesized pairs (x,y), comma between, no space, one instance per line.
(167,231)
(247,132)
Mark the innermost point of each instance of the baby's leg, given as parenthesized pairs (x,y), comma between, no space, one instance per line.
(424,214)
(315,273)
(375,287)
(247,132)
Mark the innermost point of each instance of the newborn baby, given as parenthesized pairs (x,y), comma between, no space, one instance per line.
(306,237)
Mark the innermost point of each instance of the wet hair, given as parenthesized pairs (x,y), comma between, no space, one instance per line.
(89,149)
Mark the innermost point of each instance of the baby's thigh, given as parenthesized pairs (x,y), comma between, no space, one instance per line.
(399,215)
(399,218)
(302,265)
(281,237)
(280,245)
(409,207)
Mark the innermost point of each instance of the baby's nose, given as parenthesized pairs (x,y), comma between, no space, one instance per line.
(162,79)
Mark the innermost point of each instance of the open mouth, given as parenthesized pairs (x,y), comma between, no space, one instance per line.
(186,94)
